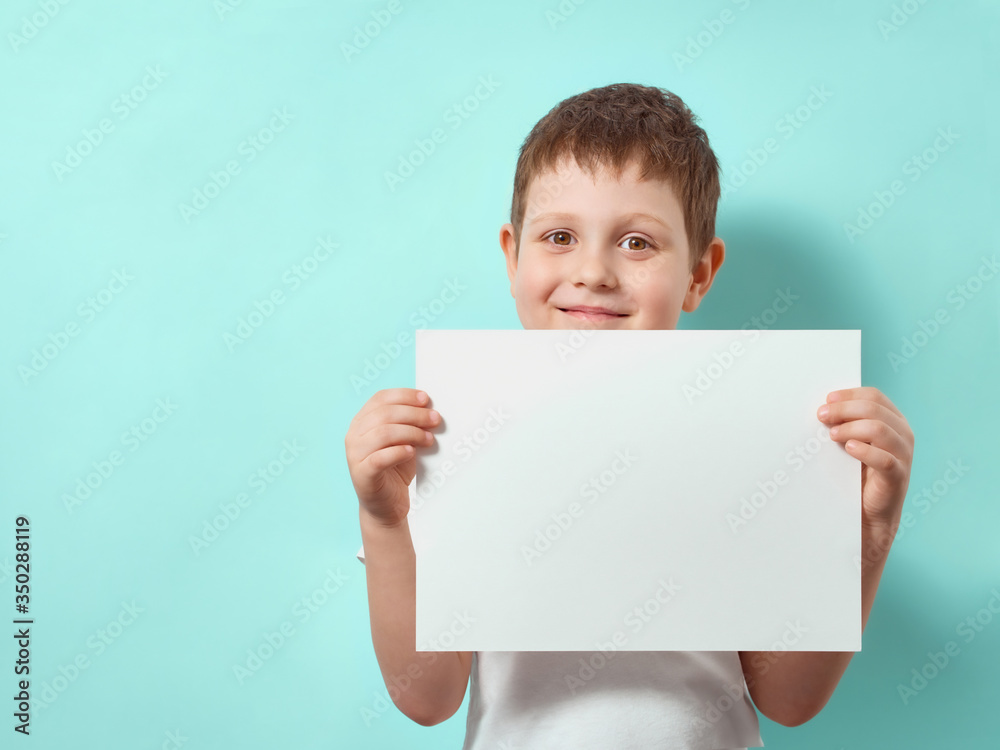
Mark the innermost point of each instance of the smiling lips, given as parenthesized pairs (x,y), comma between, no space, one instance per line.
(586,312)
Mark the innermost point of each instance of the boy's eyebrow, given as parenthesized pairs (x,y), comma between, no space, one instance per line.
(561,215)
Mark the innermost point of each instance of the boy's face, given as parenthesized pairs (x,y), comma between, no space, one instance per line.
(597,253)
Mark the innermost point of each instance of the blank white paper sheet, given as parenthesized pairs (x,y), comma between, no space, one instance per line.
(637,490)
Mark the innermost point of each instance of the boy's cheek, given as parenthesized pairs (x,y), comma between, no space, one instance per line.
(532,287)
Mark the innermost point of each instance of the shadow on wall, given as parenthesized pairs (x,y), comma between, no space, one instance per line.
(782,269)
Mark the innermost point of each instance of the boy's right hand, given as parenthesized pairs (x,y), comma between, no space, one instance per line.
(381,445)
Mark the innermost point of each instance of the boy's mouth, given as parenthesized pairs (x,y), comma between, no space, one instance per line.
(584,312)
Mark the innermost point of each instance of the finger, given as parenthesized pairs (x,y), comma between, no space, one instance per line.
(385,435)
(372,475)
(877,459)
(846,411)
(866,393)
(410,396)
(417,416)
(874,432)
(386,458)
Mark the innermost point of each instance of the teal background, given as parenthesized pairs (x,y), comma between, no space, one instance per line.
(353,117)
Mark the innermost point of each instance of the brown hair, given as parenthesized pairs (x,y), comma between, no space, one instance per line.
(610,126)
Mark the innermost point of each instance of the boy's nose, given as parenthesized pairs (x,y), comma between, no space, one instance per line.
(593,267)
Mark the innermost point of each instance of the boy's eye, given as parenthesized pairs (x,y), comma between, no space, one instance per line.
(559,237)
(640,239)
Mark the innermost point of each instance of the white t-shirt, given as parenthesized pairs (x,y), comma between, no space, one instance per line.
(669,700)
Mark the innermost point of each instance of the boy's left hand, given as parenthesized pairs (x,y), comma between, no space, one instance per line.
(877,434)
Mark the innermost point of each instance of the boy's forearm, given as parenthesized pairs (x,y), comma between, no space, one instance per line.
(431,677)
(791,687)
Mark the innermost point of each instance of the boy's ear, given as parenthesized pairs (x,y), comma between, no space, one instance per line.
(704,273)
(510,252)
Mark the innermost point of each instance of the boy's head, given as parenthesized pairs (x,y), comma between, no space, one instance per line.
(592,163)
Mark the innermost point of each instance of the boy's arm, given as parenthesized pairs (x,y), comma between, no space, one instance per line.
(436,680)
(791,687)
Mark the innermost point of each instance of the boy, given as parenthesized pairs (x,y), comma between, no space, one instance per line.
(612,226)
